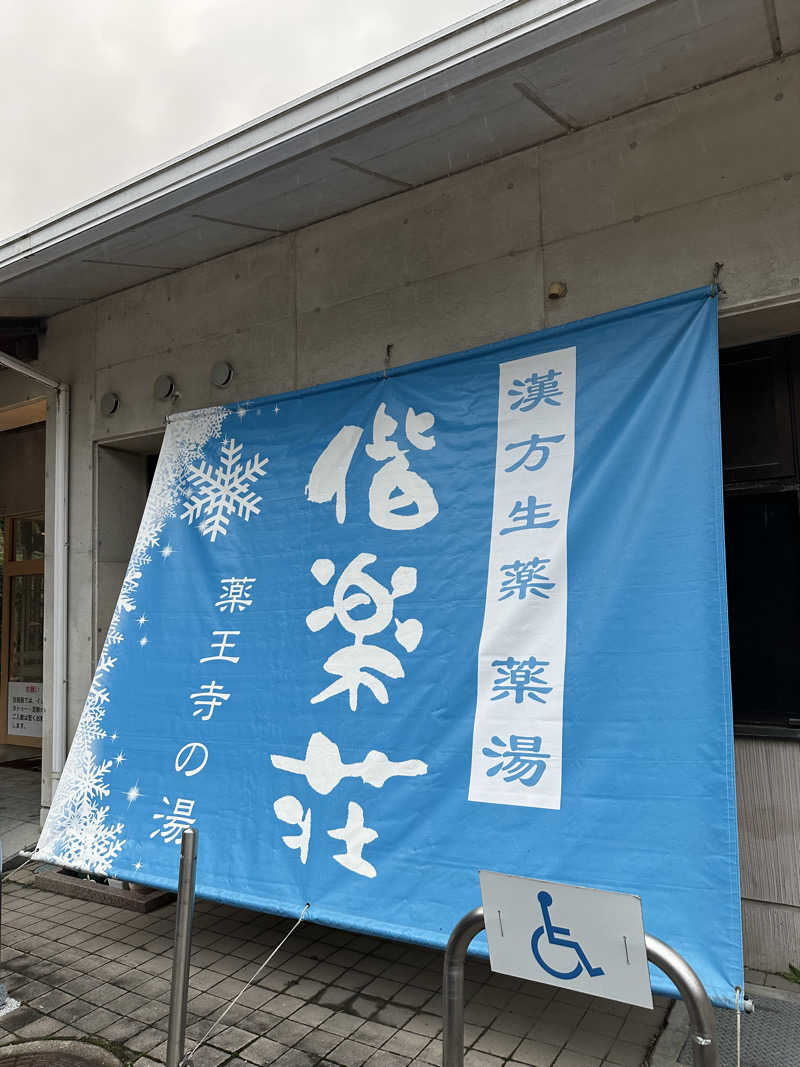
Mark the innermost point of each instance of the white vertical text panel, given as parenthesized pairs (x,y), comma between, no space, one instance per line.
(517,739)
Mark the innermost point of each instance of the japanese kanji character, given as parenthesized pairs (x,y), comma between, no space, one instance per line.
(529,516)
(399,498)
(395,487)
(534,389)
(355,835)
(236,594)
(176,821)
(354,593)
(520,677)
(534,444)
(525,577)
(521,761)
(289,810)
(223,646)
(210,696)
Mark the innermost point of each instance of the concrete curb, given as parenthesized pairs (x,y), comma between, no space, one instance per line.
(60,1053)
(771,993)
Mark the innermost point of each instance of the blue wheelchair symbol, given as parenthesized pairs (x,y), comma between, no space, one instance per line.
(558,935)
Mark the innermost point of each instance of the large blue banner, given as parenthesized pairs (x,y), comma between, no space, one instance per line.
(468,614)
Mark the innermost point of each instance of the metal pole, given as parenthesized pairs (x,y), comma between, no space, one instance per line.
(705,1050)
(3,989)
(453,987)
(58,739)
(183,947)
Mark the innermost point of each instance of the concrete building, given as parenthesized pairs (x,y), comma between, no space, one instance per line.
(425,205)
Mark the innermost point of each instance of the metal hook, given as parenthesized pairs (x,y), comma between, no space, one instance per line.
(715,286)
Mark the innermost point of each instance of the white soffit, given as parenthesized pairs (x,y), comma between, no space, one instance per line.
(517,75)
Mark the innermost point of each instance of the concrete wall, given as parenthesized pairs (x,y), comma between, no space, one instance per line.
(631,209)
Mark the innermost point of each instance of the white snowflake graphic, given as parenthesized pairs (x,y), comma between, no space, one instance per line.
(78,832)
(223,491)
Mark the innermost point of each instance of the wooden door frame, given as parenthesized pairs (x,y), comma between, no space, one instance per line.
(12,569)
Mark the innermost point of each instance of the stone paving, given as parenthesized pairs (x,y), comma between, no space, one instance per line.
(19,807)
(330,997)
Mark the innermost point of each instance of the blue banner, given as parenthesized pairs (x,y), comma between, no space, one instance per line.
(378,635)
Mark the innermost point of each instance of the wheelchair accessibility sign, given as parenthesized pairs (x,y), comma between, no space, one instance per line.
(588,940)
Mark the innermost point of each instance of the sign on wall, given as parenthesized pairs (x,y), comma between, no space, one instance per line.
(469,614)
(25,709)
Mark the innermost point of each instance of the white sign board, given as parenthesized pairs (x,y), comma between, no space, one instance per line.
(25,709)
(588,940)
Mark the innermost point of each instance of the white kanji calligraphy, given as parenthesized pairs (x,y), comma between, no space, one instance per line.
(209,697)
(236,594)
(399,498)
(328,476)
(176,821)
(223,646)
(289,810)
(224,491)
(355,836)
(323,768)
(354,594)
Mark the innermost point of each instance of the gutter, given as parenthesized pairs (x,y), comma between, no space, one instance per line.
(60,556)
(475,47)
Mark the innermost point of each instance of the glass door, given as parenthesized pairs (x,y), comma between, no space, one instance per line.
(22,630)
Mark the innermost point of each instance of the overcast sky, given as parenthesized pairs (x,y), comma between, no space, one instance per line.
(93,92)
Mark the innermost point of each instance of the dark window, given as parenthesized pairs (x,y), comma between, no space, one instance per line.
(760,390)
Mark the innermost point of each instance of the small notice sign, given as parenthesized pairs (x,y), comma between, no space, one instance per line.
(588,940)
(25,709)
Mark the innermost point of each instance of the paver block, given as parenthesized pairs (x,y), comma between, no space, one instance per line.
(381,1058)
(497,1044)
(393,1015)
(425,1024)
(341,1023)
(289,1032)
(482,1059)
(536,1053)
(146,1039)
(295,1057)
(590,1043)
(350,1053)
(319,1042)
(432,1053)
(41,1027)
(625,1054)
(262,1051)
(406,1043)
(373,1033)
(576,1059)
(231,1038)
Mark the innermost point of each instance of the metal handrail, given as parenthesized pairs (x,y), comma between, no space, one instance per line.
(705,1048)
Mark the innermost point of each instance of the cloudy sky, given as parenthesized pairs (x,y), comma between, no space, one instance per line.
(96,91)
